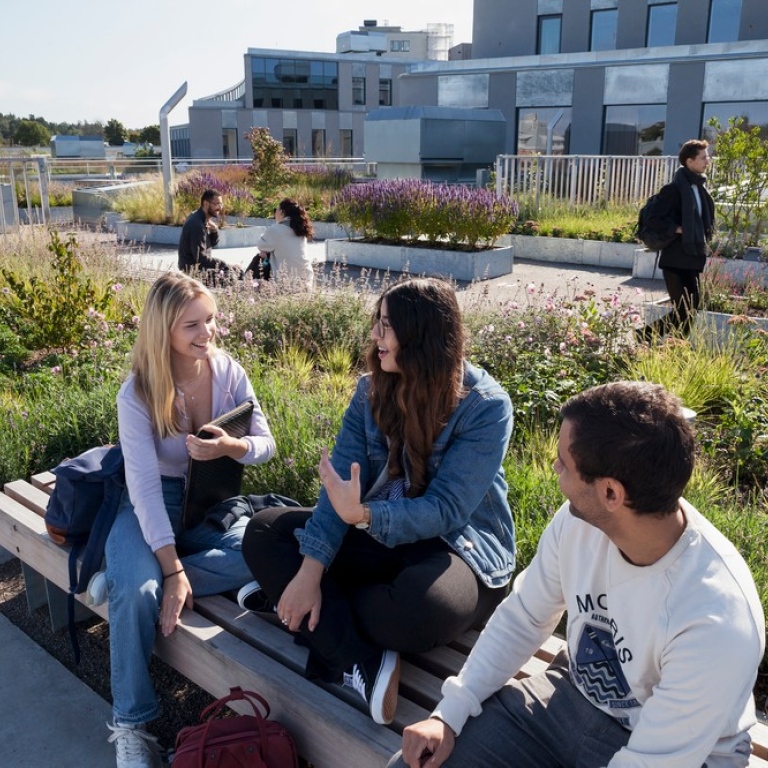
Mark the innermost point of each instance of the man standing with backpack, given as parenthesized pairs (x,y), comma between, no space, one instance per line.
(683,210)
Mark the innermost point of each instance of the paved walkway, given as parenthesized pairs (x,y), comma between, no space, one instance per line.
(47,715)
(554,278)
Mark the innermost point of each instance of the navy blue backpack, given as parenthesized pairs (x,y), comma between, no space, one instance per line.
(80,513)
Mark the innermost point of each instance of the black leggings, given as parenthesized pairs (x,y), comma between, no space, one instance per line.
(409,598)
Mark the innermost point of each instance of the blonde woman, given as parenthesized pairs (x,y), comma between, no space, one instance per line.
(179,381)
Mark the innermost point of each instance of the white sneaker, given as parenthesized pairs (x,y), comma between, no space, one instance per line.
(135,747)
(98,590)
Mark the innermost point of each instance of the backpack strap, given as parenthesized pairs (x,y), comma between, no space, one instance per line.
(71,627)
(93,555)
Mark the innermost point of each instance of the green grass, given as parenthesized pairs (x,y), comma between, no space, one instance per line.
(558,218)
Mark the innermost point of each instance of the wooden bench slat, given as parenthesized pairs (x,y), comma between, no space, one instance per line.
(759,734)
(26,494)
(44,481)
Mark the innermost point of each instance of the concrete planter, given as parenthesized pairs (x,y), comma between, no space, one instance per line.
(737,270)
(60,214)
(645,265)
(712,325)
(458,265)
(90,205)
(229,237)
(571,251)
(741,271)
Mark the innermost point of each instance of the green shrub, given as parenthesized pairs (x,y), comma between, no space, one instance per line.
(46,314)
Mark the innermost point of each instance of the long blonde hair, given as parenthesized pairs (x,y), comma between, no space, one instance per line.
(151,360)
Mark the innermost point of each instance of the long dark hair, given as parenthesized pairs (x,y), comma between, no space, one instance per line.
(412,407)
(297,218)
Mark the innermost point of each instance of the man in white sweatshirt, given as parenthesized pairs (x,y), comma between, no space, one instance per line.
(665,628)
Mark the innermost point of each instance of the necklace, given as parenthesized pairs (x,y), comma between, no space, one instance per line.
(188,389)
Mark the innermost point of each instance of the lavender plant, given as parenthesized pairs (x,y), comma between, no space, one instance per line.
(412,210)
(238,199)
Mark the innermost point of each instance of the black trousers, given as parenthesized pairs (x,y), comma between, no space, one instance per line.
(683,287)
(409,598)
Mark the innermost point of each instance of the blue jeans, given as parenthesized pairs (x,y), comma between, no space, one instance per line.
(214,563)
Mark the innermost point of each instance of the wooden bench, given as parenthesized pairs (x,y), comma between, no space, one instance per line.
(218,645)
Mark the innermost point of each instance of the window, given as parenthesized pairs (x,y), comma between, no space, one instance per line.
(604,30)
(543,130)
(724,18)
(290,141)
(345,142)
(755,113)
(229,142)
(634,129)
(318,142)
(358,90)
(549,34)
(661,24)
(294,83)
(400,46)
(385,93)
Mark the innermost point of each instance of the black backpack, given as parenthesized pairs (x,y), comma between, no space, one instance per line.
(651,238)
(80,513)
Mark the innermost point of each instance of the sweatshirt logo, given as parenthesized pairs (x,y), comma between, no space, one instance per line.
(596,668)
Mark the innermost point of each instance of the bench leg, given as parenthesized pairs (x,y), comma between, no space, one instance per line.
(42,592)
(57,608)
(34,586)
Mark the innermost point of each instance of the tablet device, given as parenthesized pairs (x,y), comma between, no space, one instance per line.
(209,482)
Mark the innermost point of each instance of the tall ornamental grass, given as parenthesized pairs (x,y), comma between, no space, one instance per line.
(414,210)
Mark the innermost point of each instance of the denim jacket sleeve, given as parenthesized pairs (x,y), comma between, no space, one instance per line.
(465,489)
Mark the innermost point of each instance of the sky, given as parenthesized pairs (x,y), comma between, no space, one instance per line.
(88,60)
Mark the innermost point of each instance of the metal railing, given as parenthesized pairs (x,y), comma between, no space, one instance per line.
(30,172)
(235,93)
(35,174)
(582,179)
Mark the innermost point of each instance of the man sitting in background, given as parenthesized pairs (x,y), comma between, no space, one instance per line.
(199,235)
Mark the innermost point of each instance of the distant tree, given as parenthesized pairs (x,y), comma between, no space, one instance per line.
(133,136)
(150,135)
(115,133)
(30,133)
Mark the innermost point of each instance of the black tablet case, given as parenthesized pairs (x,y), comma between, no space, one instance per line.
(209,482)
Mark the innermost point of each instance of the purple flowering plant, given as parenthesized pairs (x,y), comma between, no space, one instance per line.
(414,210)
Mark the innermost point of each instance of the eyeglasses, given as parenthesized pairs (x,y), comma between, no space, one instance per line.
(380,328)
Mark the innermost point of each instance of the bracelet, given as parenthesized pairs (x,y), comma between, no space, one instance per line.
(175,573)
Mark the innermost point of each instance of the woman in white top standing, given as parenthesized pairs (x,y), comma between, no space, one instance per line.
(285,244)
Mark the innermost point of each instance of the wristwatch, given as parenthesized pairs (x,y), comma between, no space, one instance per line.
(365,523)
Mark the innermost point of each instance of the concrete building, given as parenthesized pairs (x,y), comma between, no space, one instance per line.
(314,103)
(620,77)
(433,43)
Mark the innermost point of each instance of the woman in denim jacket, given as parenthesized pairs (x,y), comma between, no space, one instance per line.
(412,540)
